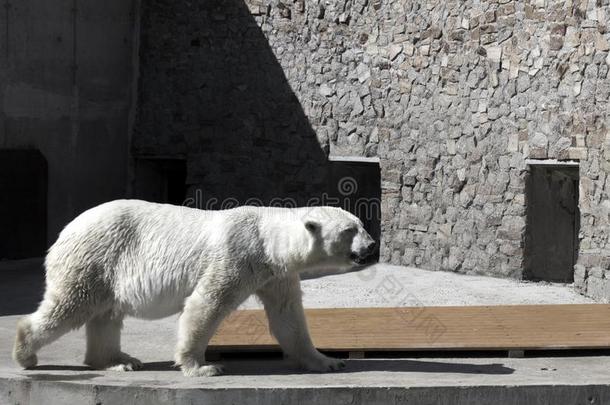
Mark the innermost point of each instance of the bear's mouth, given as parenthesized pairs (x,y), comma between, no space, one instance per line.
(357,258)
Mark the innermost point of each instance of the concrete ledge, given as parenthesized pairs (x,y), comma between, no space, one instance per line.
(61,378)
(89,387)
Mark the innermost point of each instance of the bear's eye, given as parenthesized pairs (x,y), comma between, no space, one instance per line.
(352,230)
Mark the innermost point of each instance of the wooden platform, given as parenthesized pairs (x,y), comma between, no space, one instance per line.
(513,328)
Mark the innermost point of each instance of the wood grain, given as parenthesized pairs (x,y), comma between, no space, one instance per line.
(521,327)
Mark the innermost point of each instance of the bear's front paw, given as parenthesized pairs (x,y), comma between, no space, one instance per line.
(119,362)
(322,363)
(209,370)
(124,362)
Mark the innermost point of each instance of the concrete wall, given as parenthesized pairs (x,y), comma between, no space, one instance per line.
(66,75)
(453,97)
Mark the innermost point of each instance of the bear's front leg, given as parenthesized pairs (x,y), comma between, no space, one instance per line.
(284,307)
(213,299)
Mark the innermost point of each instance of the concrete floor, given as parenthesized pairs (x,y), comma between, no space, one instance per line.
(61,378)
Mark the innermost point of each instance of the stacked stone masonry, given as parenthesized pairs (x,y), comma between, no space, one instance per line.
(452,96)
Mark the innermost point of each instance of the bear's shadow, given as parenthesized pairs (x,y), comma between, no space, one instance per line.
(62,377)
(278,367)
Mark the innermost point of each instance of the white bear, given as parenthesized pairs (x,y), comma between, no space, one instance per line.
(147,260)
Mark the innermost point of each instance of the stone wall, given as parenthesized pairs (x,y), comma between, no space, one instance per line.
(452,96)
(212,92)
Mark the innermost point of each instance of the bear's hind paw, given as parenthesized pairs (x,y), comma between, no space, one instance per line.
(208,370)
(324,364)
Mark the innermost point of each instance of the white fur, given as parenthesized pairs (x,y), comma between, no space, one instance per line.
(134,258)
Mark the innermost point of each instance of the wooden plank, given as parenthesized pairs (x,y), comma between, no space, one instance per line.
(516,327)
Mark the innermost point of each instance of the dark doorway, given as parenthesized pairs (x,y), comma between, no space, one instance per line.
(355,185)
(23,204)
(553,221)
(160,180)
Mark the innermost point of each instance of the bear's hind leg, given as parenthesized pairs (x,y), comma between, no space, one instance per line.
(26,344)
(104,344)
(54,318)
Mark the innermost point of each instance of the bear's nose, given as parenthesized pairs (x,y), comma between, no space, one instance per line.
(370,248)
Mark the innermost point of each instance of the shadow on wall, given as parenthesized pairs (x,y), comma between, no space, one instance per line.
(23,203)
(213,92)
(65,88)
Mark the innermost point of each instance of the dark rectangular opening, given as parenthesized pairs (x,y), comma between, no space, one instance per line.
(160,180)
(23,204)
(553,222)
(355,186)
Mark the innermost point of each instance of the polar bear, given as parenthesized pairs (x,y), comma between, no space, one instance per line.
(148,260)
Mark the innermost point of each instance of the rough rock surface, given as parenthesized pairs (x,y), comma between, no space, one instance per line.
(452,96)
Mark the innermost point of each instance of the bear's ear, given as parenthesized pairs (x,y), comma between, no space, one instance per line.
(312,226)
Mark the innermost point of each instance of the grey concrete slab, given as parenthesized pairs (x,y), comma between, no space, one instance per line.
(61,378)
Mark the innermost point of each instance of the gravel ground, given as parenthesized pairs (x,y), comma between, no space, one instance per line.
(383,285)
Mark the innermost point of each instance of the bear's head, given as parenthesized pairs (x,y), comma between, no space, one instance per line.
(338,238)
